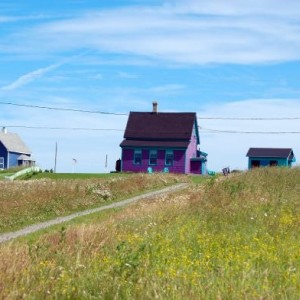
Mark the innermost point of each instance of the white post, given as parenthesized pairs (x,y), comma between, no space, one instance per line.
(74,163)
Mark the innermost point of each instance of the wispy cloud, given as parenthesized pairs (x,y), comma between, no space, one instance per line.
(188,32)
(126,75)
(13,19)
(29,77)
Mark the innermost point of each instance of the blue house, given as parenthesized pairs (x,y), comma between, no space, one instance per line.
(268,157)
(13,151)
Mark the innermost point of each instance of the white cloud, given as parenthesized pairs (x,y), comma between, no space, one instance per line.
(126,75)
(29,77)
(193,32)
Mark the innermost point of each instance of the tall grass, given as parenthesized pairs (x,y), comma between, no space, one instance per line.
(236,238)
(32,201)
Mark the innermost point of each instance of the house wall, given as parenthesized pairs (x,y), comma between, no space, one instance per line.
(191,151)
(3,153)
(177,167)
(13,159)
(204,168)
(196,167)
(265,162)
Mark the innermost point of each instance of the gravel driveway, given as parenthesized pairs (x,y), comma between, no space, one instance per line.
(33,228)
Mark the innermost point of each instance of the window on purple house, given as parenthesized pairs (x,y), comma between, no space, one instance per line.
(153,157)
(169,158)
(137,158)
(1,162)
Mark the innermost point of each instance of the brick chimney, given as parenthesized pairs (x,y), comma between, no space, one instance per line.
(155,104)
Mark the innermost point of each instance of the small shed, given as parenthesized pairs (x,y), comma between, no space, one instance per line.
(269,157)
(13,151)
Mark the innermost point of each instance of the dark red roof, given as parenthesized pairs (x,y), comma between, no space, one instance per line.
(140,143)
(269,152)
(159,126)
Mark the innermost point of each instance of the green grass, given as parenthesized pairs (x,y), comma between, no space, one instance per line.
(9,172)
(231,237)
(28,202)
(59,176)
(198,179)
(3,175)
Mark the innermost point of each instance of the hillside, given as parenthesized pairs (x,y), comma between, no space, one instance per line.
(46,196)
(235,238)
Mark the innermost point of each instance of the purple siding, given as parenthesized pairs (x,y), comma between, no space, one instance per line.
(177,167)
(191,152)
(179,163)
(196,167)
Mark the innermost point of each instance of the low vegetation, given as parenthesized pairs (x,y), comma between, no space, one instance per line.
(9,172)
(234,237)
(32,201)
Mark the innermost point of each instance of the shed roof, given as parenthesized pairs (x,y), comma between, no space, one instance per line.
(270,152)
(25,157)
(13,143)
(159,126)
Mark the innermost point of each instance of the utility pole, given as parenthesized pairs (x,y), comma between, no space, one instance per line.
(55,159)
(106,163)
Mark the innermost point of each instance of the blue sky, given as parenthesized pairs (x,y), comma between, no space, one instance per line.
(219,59)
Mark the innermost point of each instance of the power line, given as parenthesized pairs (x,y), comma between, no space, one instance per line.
(203,130)
(209,130)
(250,119)
(64,109)
(63,128)
(126,114)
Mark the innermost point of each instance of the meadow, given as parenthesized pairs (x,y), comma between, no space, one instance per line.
(46,196)
(234,237)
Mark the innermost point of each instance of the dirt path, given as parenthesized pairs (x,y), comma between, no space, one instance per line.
(33,228)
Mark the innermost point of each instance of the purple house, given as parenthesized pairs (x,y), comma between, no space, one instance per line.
(162,142)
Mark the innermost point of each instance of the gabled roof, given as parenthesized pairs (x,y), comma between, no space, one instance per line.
(270,152)
(159,126)
(13,143)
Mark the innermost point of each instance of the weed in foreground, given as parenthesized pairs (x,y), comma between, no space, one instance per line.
(235,239)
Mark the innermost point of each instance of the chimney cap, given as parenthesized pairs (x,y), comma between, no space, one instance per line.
(155,104)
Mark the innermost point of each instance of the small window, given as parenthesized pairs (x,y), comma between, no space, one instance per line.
(169,158)
(255,163)
(153,157)
(273,163)
(137,159)
(1,162)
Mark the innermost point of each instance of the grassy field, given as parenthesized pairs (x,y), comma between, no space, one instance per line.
(228,238)
(59,176)
(25,202)
(9,172)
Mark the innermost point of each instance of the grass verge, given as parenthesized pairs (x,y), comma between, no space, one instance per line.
(235,238)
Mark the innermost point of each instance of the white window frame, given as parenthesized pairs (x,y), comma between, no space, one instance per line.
(169,156)
(137,154)
(153,154)
(1,162)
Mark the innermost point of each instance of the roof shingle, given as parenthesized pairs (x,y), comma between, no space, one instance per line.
(269,152)
(13,143)
(159,126)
